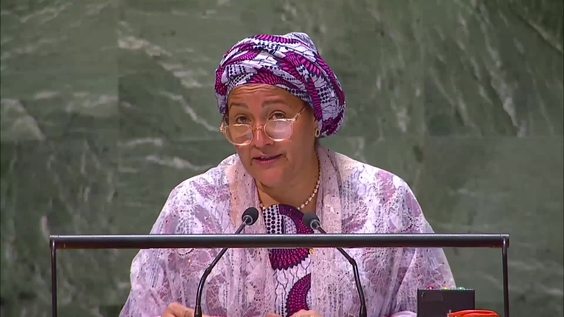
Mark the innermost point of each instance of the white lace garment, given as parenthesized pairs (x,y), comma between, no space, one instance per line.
(353,198)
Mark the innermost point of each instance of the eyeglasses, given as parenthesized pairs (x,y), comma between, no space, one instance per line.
(276,129)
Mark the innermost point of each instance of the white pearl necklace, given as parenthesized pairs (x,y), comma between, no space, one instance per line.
(315,190)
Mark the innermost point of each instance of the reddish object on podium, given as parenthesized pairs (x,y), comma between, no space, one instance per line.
(473,313)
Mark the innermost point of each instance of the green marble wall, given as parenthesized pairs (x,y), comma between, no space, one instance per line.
(105,106)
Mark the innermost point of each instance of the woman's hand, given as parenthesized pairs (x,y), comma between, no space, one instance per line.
(301,313)
(178,310)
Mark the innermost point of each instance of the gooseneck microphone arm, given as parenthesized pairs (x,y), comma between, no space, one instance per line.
(249,217)
(311,220)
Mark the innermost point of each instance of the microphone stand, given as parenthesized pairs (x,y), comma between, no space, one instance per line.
(315,225)
(247,221)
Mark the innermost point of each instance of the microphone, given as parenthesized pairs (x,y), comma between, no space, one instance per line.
(249,218)
(311,220)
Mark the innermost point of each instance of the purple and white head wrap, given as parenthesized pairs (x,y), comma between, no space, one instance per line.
(291,62)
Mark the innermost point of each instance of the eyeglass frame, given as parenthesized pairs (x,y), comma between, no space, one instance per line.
(223,128)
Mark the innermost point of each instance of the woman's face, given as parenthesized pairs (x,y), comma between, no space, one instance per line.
(273,164)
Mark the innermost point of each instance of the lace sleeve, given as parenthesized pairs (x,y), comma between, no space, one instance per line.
(158,276)
(420,268)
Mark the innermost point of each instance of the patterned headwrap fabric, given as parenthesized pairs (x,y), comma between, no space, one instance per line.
(291,62)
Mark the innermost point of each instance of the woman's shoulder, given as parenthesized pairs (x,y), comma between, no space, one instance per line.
(358,172)
(211,185)
(384,197)
(197,204)
(371,183)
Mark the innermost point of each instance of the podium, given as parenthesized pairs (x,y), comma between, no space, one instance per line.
(204,241)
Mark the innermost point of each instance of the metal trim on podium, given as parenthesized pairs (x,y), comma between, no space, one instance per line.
(208,241)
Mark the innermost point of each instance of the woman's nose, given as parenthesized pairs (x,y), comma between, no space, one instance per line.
(260,137)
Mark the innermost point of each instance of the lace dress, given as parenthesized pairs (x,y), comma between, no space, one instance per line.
(291,266)
(250,282)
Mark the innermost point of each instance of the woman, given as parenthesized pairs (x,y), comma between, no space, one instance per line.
(278,97)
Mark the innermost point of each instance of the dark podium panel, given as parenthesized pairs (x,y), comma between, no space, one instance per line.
(440,302)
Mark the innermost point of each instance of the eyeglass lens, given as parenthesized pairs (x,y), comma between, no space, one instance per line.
(277,130)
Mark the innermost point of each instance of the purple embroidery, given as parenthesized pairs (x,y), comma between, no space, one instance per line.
(297,298)
(289,263)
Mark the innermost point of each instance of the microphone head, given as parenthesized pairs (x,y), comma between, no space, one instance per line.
(250,213)
(309,219)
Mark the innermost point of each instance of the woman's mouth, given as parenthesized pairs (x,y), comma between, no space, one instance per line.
(266,159)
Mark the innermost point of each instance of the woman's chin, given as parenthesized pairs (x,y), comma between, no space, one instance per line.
(269,178)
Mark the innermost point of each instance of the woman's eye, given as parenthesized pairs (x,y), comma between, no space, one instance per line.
(241,120)
(278,115)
